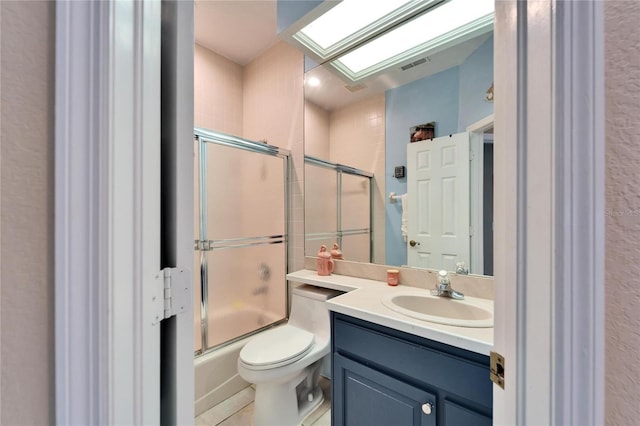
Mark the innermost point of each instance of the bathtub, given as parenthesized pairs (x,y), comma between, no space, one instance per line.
(216,372)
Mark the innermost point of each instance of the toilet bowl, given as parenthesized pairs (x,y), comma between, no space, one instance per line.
(284,363)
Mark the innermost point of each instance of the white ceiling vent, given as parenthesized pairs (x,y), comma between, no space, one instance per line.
(414,64)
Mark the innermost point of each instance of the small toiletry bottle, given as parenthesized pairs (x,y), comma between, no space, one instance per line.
(324,262)
(336,253)
(393,277)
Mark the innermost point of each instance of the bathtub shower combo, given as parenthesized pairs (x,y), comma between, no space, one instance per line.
(241,253)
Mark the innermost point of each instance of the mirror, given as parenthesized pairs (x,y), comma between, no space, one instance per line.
(368,126)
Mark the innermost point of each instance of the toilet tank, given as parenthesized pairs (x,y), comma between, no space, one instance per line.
(309,310)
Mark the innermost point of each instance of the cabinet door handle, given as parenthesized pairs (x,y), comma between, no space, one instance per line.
(426,408)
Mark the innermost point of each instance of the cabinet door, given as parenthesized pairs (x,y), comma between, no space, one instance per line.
(363,396)
(455,415)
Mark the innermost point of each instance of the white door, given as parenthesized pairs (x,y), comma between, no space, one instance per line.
(438,202)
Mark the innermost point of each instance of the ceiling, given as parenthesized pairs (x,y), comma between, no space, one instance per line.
(241,30)
(334,92)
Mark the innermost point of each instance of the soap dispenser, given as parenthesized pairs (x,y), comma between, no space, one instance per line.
(324,263)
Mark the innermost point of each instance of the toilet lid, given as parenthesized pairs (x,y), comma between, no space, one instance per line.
(282,345)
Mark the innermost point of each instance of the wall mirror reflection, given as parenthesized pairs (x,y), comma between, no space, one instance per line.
(368,125)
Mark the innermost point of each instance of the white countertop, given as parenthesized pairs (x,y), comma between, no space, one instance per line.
(363,301)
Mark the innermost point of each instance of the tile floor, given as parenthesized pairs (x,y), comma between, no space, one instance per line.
(238,410)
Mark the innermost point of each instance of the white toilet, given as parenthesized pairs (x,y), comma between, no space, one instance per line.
(284,362)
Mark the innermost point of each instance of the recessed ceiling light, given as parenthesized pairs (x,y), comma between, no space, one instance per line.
(313,82)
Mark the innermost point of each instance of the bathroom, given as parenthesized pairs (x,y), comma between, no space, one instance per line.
(229,97)
(528,374)
(297,137)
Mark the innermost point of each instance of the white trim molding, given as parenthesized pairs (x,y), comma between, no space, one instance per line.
(579,228)
(107,212)
(549,151)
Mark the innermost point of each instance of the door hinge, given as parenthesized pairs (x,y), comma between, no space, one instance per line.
(174,285)
(496,368)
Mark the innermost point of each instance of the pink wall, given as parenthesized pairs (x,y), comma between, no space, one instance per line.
(218,92)
(316,131)
(356,136)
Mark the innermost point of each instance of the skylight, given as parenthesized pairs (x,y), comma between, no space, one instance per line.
(430,32)
(351,22)
(363,37)
(348,18)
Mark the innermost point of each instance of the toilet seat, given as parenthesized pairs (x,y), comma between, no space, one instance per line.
(277,347)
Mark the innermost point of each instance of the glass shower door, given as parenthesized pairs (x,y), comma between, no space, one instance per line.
(337,209)
(243,238)
(355,217)
(321,207)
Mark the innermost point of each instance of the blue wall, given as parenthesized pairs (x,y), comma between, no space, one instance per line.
(288,11)
(476,76)
(431,99)
(453,98)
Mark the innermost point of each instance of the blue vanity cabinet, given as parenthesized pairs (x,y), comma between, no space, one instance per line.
(385,377)
(368,397)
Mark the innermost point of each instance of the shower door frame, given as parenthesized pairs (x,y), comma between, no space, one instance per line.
(340,169)
(202,137)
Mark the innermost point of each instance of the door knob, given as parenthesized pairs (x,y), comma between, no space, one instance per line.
(414,243)
(426,408)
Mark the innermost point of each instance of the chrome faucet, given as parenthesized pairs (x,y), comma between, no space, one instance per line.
(443,288)
(461,268)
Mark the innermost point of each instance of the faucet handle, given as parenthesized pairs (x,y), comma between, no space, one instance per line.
(443,277)
(461,268)
(443,288)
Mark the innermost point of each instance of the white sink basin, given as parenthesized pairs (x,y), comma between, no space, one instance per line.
(469,312)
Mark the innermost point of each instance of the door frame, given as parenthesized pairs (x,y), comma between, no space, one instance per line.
(476,191)
(108,286)
(107,209)
(177,359)
(549,228)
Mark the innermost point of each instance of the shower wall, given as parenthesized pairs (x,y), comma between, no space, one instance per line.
(218,92)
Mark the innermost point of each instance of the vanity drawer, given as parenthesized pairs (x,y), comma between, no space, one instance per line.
(426,363)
